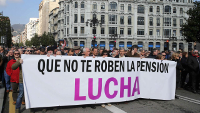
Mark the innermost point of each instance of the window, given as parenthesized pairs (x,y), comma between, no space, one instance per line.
(103,6)
(112,30)
(67,7)
(67,30)
(141,9)
(129,20)
(181,33)
(82,5)
(129,7)
(82,30)
(158,21)
(75,18)
(129,31)
(75,30)
(102,19)
(113,6)
(67,20)
(102,31)
(75,43)
(181,11)
(121,31)
(121,19)
(177,0)
(174,22)
(140,20)
(167,21)
(94,31)
(140,32)
(122,7)
(181,22)
(150,31)
(112,19)
(174,10)
(151,21)
(151,9)
(174,32)
(167,9)
(95,5)
(82,18)
(76,4)
(167,32)
(158,9)
(158,32)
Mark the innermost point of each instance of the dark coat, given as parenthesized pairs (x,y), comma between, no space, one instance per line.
(152,56)
(184,64)
(178,70)
(193,64)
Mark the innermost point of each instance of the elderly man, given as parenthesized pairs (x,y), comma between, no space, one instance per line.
(194,70)
(86,52)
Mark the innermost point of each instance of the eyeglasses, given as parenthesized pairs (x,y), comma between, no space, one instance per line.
(16,53)
(105,54)
(29,50)
(195,52)
(163,55)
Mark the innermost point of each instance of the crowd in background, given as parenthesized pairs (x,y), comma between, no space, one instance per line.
(187,69)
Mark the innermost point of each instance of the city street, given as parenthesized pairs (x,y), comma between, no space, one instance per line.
(187,103)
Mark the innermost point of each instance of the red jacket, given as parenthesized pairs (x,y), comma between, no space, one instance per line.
(14,74)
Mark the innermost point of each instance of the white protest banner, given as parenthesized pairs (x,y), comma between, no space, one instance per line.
(71,80)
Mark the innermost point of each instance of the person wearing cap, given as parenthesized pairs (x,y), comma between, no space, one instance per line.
(77,51)
(49,51)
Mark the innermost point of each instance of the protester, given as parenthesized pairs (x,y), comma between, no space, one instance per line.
(71,52)
(66,51)
(115,52)
(194,68)
(8,57)
(133,52)
(154,53)
(121,53)
(17,66)
(3,55)
(163,55)
(14,75)
(176,58)
(58,53)
(184,72)
(77,51)
(94,52)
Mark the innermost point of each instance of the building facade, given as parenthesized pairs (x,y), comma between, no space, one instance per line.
(53,23)
(45,7)
(31,27)
(146,23)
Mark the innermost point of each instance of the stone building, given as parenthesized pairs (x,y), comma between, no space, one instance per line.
(146,23)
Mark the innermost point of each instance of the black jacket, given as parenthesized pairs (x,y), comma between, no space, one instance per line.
(152,56)
(193,64)
(184,64)
(178,69)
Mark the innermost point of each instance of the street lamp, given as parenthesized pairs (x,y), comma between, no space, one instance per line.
(93,23)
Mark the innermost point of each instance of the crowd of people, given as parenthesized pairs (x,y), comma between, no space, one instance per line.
(187,69)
